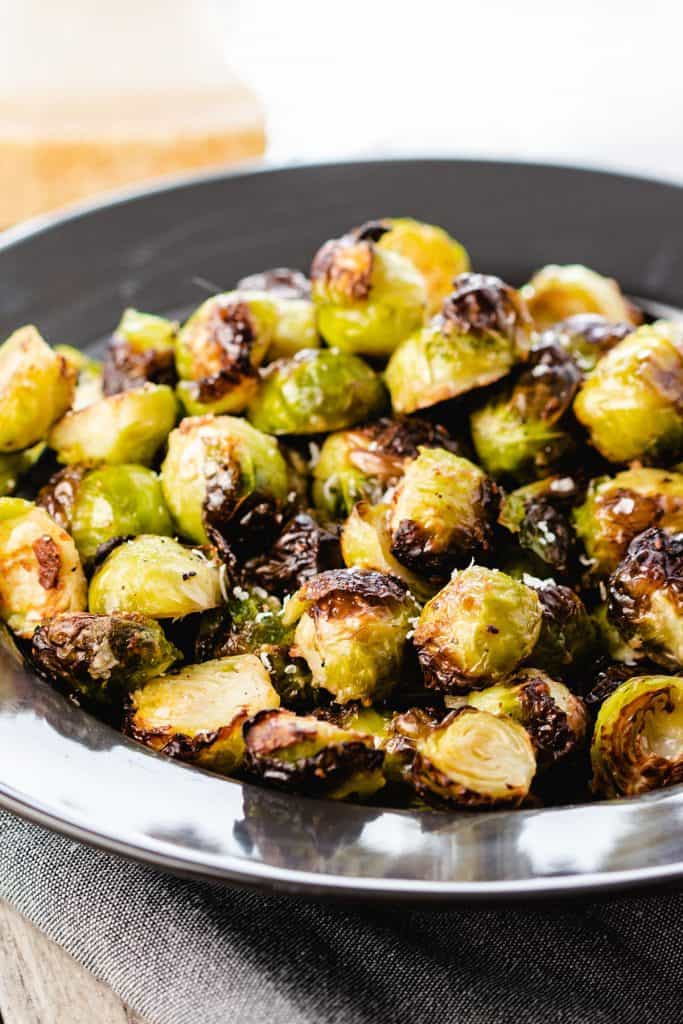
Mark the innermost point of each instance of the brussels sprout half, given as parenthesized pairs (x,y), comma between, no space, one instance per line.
(155,576)
(638,738)
(618,508)
(309,755)
(367,298)
(477,630)
(197,713)
(474,759)
(102,656)
(295,325)
(586,337)
(632,403)
(37,386)
(129,427)
(555,293)
(142,349)
(536,515)
(437,256)
(316,391)
(568,641)
(41,572)
(481,332)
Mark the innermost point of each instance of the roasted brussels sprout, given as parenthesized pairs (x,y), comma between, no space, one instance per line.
(309,755)
(220,348)
(442,513)
(41,572)
(351,630)
(155,576)
(367,298)
(88,373)
(568,641)
(632,404)
(437,256)
(524,430)
(360,464)
(303,549)
(555,293)
(295,325)
(616,649)
(481,332)
(197,714)
(130,427)
(142,349)
(638,738)
(475,759)
(316,391)
(618,508)
(37,386)
(586,337)
(366,544)
(553,716)
(646,597)
(224,480)
(536,515)
(102,656)
(14,465)
(477,630)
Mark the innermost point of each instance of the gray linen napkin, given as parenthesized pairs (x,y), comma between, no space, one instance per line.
(184,952)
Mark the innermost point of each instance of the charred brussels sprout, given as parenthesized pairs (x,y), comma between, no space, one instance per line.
(477,630)
(638,738)
(366,544)
(586,337)
(481,332)
(155,576)
(130,427)
(360,464)
(367,298)
(37,386)
(568,641)
(302,550)
(618,508)
(88,374)
(41,572)
(308,755)
(536,515)
(224,480)
(197,714)
(557,292)
(316,391)
(220,348)
(437,256)
(141,349)
(442,513)
(351,630)
(646,597)
(616,649)
(102,656)
(524,431)
(632,403)
(475,759)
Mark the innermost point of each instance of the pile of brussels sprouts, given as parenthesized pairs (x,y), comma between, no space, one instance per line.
(398,527)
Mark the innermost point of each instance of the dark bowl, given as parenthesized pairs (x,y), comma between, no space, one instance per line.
(156,250)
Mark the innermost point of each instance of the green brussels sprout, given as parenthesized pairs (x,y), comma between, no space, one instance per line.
(523,431)
(481,332)
(586,337)
(302,550)
(155,576)
(618,508)
(568,641)
(295,325)
(316,391)
(101,505)
(442,513)
(359,464)
(102,656)
(37,386)
(142,349)
(366,544)
(13,466)
(88,373)
(475,759)
(535,514)
(224,480)
(220,348)
(305,754)
(638,738)
(129,427)
(437,256)
(477,630)
(41,571)
(197,713)
(555,293)
(631,404)
(352,627)
(646,597)
(367,298)
(554,717)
